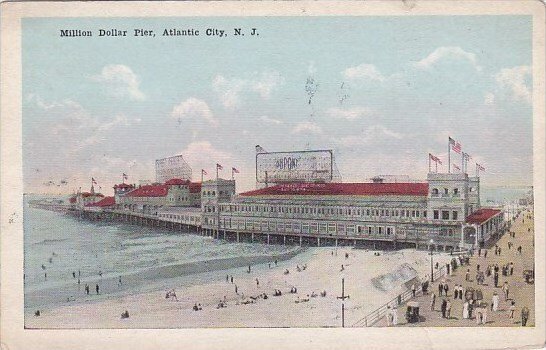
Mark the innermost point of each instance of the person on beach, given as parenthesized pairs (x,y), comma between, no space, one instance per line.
(467,275)
(231,278)
(389,316)
(97,289)
(43,267)
(236,290)
(100,274)
(73,275)
(248,268)
(448,309)
(79,273)
(440,289)
(275,262)
(342,267)
(78,282)
(446,289)
(485,253)
(496,279)
(119,281)
(443,308)
(506,290)
(511,268)
(227,278)
(45,276)
(257,283)
(269,265)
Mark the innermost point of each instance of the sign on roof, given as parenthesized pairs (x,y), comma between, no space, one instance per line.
(170,168)
(297,166)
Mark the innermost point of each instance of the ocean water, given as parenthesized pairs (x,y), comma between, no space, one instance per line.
(145,258)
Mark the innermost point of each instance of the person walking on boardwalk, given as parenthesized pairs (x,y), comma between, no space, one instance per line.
(440,289)
(505,290)
(524,316)
(495,302)
(446,288)
(443,308)
(496,279)
(448,309)
(512,310)
(432,301)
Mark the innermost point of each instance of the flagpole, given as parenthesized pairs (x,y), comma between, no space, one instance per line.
(216,172)
(462,162)
(202,175)
(232,174)
(436,162)
(429,162)
(448,157)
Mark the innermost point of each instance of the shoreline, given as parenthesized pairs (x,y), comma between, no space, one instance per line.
(150,279)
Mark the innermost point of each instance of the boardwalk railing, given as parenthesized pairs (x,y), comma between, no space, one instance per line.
(377,314)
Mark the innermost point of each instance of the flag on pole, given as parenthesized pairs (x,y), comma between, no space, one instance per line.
(219,167)
(259,149)
(235,170)
(203,172)
(480,167)
(466,156)
(456,167)
(455,146)
(434,158)
(125,177)
(93,181)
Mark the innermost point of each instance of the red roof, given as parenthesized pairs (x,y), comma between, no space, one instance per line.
(481,215)
(105,202)
(195,187)
(149,191)
(343,189)
(177,182)
(89,194)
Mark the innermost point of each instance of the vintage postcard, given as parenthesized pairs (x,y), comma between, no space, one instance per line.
(273,174)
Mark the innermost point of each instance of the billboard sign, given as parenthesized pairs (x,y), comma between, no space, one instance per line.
(172,168)
(297,166)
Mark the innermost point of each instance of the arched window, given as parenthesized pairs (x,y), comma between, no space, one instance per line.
(435,191)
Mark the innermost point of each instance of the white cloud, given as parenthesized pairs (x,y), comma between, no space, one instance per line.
(269,120)
(120,81)
(364,71)
(349,113)
(229,90)
(194,108)
(203,155)
(371,134)
(447,52)
(515,79)
(266,83)
(307,127)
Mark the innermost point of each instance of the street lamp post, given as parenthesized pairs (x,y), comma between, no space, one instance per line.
(431,263)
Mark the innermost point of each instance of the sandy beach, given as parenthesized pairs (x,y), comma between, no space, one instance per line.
(323,272)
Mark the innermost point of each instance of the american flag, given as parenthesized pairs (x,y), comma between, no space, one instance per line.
(480,167)
(434,158)
(456,167)
(259,149)
(235,170)
(456,146)
(125,177)
(204,172)
(93,181)
(219,167)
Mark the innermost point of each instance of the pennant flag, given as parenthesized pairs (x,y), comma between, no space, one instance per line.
(93,181)
(219,167)
(434,158)
(466,156)
(125,177)
(204,172)
(480,167)
(235,170)
(456,167)
(456,146)
(259,149)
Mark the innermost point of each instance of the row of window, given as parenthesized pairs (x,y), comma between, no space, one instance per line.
(321,210)
(445,215)
(307,228)
(186,218)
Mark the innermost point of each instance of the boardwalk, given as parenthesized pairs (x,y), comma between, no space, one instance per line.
(519,291)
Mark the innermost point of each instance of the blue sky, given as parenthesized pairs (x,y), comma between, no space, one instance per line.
(389,90)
